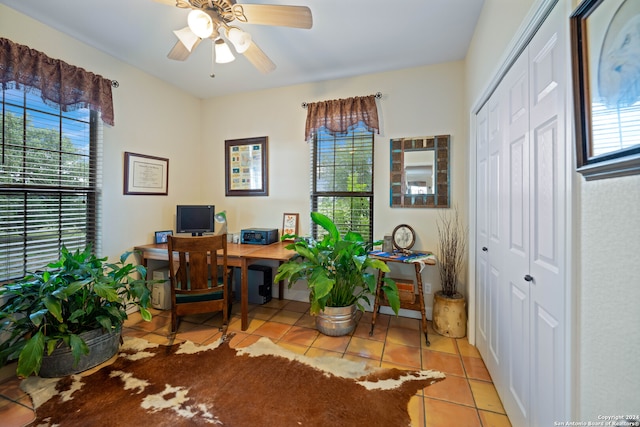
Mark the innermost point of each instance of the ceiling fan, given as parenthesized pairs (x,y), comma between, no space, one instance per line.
(211,19)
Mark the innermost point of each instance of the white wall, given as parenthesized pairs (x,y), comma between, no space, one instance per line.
(151,118)
(416,102)
(606,332)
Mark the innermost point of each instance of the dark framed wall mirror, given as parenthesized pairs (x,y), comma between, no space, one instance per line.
(420,172)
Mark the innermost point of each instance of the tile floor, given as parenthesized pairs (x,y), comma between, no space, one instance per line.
(467,398)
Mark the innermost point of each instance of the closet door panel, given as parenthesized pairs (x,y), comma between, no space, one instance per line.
(516,222)
(548,201)
(482,230)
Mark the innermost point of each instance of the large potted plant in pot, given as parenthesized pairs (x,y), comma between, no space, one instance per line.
(340,276)
(449,305)
(68,318)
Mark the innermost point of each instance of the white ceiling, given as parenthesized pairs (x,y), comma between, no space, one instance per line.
(348,38)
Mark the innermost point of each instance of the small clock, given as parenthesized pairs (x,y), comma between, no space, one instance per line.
(403,237)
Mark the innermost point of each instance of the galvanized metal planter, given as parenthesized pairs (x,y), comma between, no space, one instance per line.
(102,346)
(337,321)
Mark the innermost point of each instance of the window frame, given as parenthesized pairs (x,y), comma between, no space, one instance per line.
(56,196)
(355,132)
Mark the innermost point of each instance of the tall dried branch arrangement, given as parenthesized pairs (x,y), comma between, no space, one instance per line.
(452,238)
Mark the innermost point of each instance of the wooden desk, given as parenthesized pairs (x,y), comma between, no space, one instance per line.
(238,255)
(418,267)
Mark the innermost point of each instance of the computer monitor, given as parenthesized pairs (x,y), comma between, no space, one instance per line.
(195,219)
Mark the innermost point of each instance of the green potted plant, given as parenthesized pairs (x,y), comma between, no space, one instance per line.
(449,305)
(56,315)
(339,273)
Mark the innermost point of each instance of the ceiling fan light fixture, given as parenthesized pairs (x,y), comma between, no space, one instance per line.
(187,37)
(200,23)
(223,53)
(241,39)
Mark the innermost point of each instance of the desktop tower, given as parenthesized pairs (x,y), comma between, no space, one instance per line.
(260,281)
(161,292)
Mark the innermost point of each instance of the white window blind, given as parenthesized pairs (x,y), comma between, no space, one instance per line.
(49,182)
(342,180)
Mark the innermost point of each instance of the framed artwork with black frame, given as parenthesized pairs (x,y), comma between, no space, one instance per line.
(245,167)
(606,87)
(145,175)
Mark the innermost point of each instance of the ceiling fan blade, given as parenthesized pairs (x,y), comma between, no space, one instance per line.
(259,59)
(269,14)
(180,51)
(179,3)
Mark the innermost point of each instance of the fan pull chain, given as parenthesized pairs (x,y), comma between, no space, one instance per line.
(213,58)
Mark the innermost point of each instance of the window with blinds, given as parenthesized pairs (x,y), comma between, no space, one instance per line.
(48,182)
(614,129)
(342,180)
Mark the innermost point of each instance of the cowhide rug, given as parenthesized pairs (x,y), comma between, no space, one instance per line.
(260,385)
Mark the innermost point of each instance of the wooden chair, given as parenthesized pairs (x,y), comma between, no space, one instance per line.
(199,281)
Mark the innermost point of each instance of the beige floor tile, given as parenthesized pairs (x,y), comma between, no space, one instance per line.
(263,313)
(133,319)
(299,306)
(365,348)
(466,349)
(300,336)
(247,341)
(253,324)
(439,413)
(405,322)
(452,389)
(296,348)
(486,396)
(236,338)
(364,329)
(155,323)
(491,419)
(402,355)
(370,363)
(335,344)
(440,343)
(443,362)
(197,334)
(475,368)
(276,303)
(404,336)
(416,411)
(272,330)
(319,352)
(286,316)
(307,321)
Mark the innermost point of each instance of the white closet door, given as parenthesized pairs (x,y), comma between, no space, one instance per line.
(521,204)
(515,212)
(482,231)
(547,197)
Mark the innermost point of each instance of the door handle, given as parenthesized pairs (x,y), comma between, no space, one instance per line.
(485,249)
(528,278)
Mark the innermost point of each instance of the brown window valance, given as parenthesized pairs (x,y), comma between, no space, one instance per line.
(339,115)
(60,84)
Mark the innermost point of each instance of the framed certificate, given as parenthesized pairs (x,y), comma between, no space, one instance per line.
(145,175)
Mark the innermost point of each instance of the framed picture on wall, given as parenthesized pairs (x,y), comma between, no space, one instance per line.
(290,223)
(145,175)
(245,164)
(606,87)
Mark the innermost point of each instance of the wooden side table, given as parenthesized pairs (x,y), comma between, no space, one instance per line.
(403,304)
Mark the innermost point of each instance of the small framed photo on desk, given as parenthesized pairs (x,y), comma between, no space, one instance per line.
(290,223)
(161,236)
